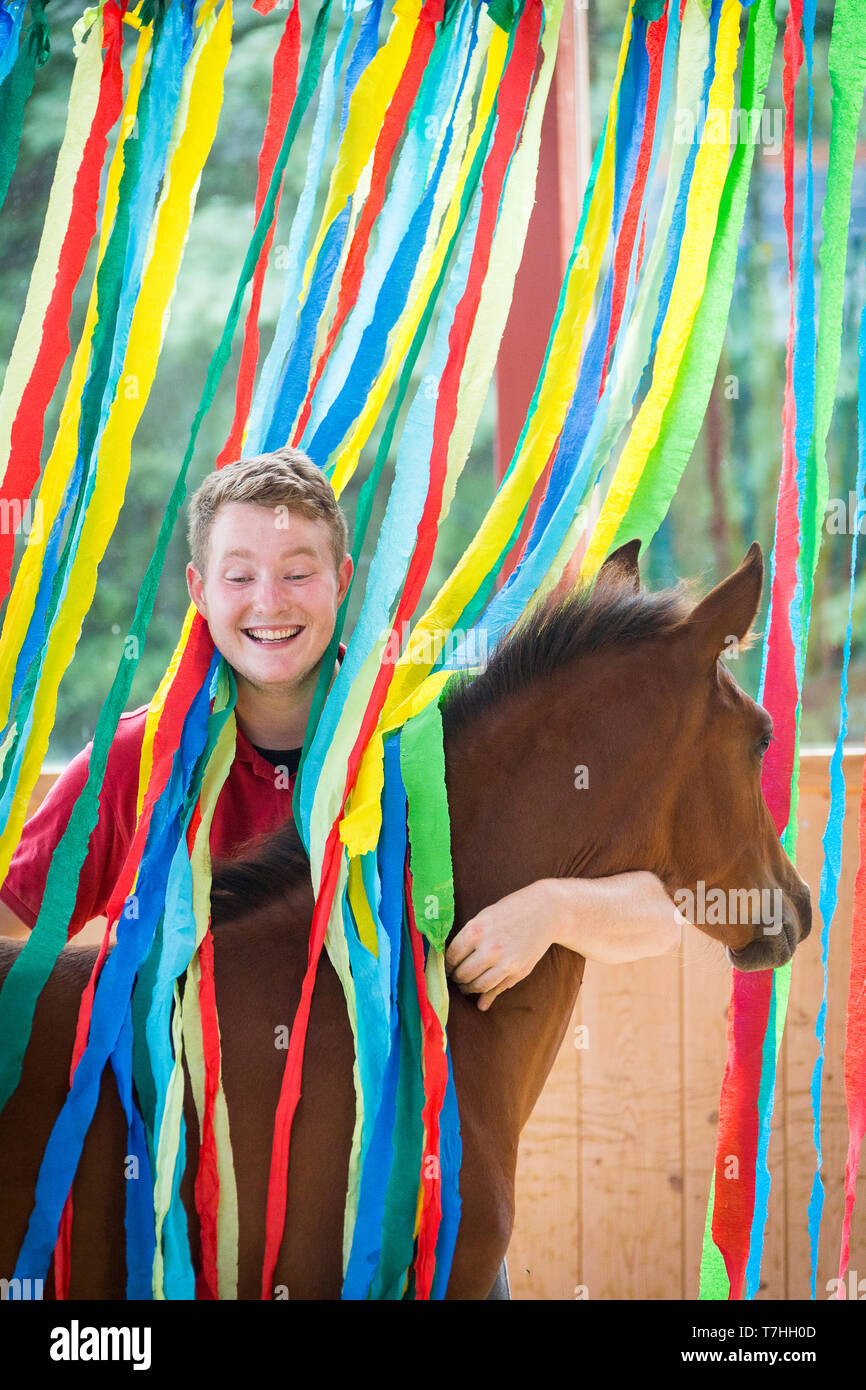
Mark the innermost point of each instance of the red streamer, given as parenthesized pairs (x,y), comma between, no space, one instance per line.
(513,94)
(191,673)
(751,994)
(283,88)
(392,129)
(435,1066)
(28,428)
(207,1183)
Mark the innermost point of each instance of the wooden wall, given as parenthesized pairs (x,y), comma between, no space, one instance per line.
(615,1164)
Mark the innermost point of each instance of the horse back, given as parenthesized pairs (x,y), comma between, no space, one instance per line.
(98,1193)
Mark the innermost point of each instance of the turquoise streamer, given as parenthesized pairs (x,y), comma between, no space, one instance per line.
(832,837)
(266,394)
(444,76)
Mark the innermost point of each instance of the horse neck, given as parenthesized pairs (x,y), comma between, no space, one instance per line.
(519,814)
(510,780)
(516,816)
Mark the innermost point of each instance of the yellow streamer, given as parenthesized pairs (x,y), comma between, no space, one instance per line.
(711,166)
(405,330)
(360,825)
(52,487)
(376,86)
(145,338)
(83,98)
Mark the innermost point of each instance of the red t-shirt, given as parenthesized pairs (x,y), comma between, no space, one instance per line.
(255,799)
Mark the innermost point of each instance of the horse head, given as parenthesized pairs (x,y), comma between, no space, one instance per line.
(735,881)
(607,735)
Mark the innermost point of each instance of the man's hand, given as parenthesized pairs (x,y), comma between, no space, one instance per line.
(621,918)
(502,943)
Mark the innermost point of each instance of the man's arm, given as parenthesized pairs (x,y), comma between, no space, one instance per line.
(10,923)
(22,890)
(617,919)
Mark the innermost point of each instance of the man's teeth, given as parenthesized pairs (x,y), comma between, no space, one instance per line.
(263,634)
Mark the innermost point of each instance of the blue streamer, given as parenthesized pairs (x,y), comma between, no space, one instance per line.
(403,223)
(397,534)
(11,19)
(832,837)
(267,391)
(803,381)
(138,1222)
(111,1000)
(293,383)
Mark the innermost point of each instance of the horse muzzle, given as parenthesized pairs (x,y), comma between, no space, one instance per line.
(774,947)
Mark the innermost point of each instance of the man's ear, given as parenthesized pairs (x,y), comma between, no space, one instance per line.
(344,578)
(621,566)
(728,610)
(195,585)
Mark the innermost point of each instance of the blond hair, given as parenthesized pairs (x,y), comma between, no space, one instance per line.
(285,478)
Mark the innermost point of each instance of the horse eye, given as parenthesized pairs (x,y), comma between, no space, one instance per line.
(764,744)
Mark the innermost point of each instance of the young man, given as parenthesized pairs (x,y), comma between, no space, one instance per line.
(268,571)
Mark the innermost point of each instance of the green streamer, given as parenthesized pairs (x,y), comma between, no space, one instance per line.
(16,90)
(847,66)
(422,766)
(688,402)
(48,937)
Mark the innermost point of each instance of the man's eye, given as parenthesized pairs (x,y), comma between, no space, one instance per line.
(238,578)
(297,576)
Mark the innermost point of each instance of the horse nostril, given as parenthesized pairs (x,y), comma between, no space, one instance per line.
(803,906)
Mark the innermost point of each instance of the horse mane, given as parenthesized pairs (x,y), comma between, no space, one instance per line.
(554,634)
(264,866)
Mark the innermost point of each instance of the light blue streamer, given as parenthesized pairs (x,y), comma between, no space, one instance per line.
(397,535)
(442,78)
(585,398)
(803,381)
(164,96)
(11,19)
(178,946)
(267,391)
(832,837)
(372,980)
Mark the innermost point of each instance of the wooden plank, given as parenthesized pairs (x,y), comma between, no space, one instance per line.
(544,1254)
(802,1047)
(620,1215)
(706,989)
(631,1197)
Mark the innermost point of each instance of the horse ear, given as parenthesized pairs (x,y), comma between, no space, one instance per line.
(729,609)
(621,565)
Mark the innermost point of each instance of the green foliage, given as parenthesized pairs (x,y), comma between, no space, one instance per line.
(217,242)
(708,529)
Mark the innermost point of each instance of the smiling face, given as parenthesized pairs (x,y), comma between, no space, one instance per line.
(270,593)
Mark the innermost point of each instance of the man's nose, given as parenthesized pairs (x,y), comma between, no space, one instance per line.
(269,598)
